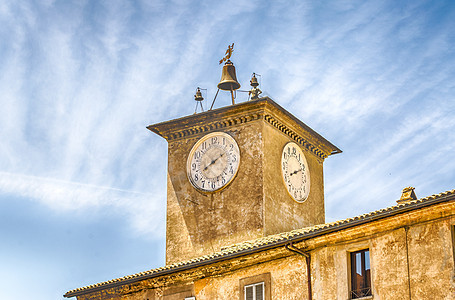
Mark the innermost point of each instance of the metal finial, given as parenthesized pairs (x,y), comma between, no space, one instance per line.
(198,98)
(254,80)
(255,91)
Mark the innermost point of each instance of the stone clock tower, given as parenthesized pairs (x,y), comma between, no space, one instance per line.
(238,173)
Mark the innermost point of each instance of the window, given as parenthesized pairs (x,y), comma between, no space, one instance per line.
(256,287)
(360,274)
(254,291)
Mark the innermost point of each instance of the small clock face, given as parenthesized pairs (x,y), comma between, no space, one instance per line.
(296,174)
(213,162)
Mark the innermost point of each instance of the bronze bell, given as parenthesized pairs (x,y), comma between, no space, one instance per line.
(198,96)
(228,79)
(254,81)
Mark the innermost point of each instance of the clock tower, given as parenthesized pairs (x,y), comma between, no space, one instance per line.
(239,173)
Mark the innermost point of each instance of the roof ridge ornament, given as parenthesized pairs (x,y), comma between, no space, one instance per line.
(407,195)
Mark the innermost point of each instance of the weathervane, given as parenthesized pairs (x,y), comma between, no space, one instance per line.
(228,53)
(228,80)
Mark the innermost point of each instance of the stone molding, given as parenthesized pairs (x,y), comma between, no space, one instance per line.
(293,135)
(264,109)
(211,127)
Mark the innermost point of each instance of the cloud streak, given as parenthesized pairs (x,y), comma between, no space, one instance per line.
(64,196)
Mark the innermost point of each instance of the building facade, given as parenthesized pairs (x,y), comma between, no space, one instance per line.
(245,220)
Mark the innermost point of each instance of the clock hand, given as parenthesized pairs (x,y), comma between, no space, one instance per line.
(295,172)
(218,157)
(213,161)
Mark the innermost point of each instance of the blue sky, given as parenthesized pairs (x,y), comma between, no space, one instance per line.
(83,182)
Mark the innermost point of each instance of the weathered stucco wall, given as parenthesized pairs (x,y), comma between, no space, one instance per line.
(431,260)
(428,247)
(200,223)
(422,237)
(389,265)
(323,273)
(282,213)
(287,283)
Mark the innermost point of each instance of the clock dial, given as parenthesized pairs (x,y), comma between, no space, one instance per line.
(296,174)
(213,162)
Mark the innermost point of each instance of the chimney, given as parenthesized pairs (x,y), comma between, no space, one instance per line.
(407,195)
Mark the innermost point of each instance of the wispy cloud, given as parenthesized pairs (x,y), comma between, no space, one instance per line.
(143,209)
(399,157)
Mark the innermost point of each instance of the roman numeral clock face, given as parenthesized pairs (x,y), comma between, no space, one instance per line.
(213,162)
(296,174)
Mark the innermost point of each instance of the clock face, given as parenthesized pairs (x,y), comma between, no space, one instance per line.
(296,174)
(213,162)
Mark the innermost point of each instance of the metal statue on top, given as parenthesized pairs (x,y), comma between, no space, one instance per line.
(228,53)
(255,91)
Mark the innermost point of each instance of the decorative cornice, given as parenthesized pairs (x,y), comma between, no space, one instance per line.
(212,126)
(264,108)
(296,137)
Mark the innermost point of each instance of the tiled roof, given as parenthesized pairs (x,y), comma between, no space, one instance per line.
(268,242)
